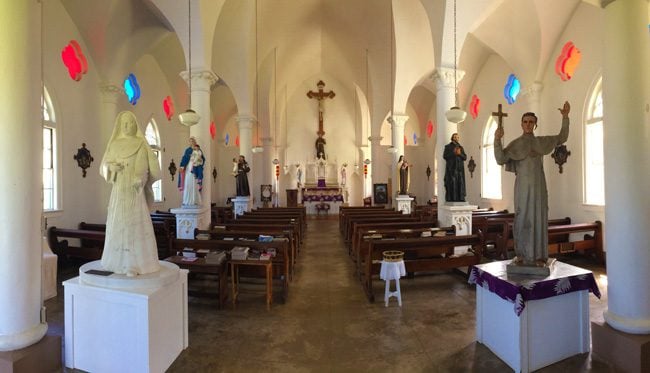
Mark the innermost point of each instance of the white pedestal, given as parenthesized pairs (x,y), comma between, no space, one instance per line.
(404,204)
(135,329)
(187,220)
(240,205)
(547,331)
(460,215)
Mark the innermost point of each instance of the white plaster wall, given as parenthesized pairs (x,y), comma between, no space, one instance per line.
(566,189)
(77,115)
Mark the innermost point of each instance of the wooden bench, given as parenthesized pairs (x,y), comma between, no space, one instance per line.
(200,266)
(422,254)
(57,238)
(163,229)
(394,233)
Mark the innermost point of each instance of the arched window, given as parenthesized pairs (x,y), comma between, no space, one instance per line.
(153,138)
(51,195)
(594,169)
(490,170)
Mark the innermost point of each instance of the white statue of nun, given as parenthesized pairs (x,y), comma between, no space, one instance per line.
(131,167)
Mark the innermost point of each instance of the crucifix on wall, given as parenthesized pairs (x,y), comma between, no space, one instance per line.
(320,95)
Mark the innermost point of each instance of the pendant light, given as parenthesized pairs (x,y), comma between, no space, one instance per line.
(455,114)
(189,117)
(257,148)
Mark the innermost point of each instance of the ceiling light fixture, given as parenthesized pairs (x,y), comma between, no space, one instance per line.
(189,117)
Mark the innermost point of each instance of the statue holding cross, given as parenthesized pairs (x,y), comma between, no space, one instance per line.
(320,95)
(499,114)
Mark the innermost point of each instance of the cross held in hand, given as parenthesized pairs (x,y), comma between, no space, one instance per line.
(499,114)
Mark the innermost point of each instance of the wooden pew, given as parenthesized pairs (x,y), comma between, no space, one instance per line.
(343,210)
(374,227)
(394,233)
(355,222)
(560,241)
(259,228)
(163,229)
(243,220)
(349,216)
(422,254)
(280,262)
(64,250)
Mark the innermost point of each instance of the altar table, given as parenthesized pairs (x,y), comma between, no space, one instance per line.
(531,322)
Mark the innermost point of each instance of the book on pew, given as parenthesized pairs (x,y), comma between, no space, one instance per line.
(254,254)
(264,238)
(203,236)
(265,256)
(426,234)
(229,238)
(271,251)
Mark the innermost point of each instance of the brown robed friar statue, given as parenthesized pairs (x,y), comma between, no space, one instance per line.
(320,95)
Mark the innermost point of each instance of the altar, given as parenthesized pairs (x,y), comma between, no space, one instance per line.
(333,196)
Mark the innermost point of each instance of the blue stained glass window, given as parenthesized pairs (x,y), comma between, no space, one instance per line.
(132,89)
(512,89)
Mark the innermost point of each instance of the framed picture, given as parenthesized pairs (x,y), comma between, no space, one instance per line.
(380,193)
(266,192)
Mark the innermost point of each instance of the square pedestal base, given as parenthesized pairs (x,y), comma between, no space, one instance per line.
(125,330)
(547,331)
(44,356)
(628,352)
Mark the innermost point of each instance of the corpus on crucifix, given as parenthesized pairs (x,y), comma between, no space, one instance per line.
(320,95)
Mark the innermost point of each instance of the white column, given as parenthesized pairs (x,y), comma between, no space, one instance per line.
(443,78)
(267,169)
(534,97)
(375,142)
(626,79)
(20,187)
(202,83)
(110,95)
(245,123)
(397,122)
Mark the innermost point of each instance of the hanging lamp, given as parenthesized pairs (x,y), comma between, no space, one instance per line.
(189,117)
(455,114)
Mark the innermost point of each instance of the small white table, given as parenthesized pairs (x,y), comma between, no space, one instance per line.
(532,322)
(392,271)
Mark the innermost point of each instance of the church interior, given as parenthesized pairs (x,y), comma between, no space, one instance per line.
(322,97)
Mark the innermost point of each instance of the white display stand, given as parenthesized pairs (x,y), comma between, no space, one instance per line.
(129,328)
(187,220)
(404,203)
(240,204)
(460,215)
(547,330)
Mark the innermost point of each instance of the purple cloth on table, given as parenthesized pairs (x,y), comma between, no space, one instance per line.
(519,289)
(321,183)
(324,198)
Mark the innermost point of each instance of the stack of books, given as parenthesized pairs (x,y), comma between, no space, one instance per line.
(188,252)
(239,253)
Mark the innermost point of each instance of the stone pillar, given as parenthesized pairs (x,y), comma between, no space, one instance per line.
(202,83)
(443,78)
(375,148)
(245,123)
(20,189)
(110,95)
(267,169)
(397,122)
(626,79)
(534,96)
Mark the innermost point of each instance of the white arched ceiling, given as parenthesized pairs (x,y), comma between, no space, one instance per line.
(116,32)
(413,49)
(523,33)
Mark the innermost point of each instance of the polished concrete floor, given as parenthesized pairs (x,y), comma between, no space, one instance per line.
(327,324)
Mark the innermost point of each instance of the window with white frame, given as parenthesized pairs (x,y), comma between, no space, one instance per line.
(153,138)
(50,166)
(594,167)
(490,170)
